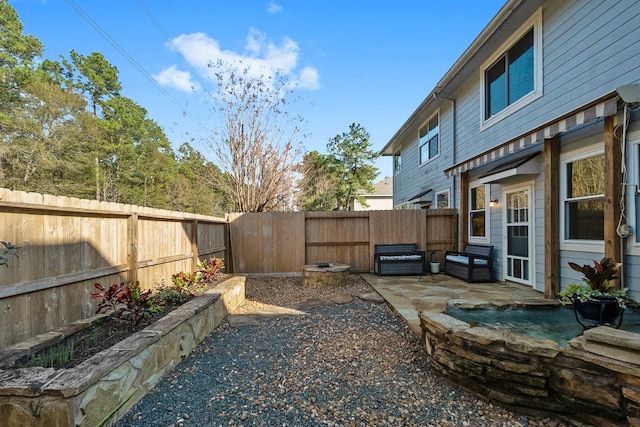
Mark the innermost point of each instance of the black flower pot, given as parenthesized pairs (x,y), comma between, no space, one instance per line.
(603,311)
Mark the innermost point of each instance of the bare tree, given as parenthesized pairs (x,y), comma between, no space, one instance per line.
(255,143)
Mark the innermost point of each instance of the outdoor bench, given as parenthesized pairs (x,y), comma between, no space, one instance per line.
(473,264)
(401,259)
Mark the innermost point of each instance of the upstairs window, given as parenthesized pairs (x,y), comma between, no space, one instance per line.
(397,163)
(429,140)
(512,77)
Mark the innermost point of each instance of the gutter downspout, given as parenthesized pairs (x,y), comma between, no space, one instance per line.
(453,138)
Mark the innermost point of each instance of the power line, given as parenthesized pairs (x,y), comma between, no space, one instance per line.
(123,52)
(166,37)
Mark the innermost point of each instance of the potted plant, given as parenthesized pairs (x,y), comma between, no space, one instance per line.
(597,301)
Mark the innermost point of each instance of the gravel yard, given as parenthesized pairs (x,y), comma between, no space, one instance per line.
(342,360)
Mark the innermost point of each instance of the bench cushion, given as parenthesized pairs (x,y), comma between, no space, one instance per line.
(400,257)
(461,259)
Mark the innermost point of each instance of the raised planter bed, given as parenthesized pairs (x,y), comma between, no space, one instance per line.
(594,381)
(99,390)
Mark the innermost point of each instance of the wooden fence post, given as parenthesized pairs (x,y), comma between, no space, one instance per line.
(132,245)
(194,245)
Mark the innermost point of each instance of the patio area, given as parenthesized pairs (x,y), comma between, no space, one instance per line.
(409,295)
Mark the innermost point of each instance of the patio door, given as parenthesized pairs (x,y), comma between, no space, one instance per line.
(518,235)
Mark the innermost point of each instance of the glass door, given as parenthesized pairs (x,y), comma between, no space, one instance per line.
(517,235)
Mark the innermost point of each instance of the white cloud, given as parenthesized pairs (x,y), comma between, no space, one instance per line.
(175,78)
(274,8)
(260,55)
(309,78)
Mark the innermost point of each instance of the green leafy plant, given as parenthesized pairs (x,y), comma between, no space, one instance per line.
(165,295)
(185,281)
(210,270)
(7,250)
(597,279)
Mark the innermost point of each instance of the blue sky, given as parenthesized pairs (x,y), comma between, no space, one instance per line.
(353,60)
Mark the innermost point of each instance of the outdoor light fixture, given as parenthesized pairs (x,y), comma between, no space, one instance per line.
(493,203)
(629,93)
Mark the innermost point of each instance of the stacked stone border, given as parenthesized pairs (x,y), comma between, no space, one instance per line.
(593,381)
(103,388)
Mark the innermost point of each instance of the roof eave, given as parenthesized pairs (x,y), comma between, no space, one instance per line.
(464,59)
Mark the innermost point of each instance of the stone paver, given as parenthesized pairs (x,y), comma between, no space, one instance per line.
(410,295)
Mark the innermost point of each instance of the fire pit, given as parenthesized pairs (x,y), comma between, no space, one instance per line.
(325,274)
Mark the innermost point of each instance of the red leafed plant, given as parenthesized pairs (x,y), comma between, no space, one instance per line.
(139,304)
(125,298)
(210,270)
(109,297)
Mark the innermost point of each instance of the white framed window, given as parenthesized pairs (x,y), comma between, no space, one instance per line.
(429,139)
(633,192)
(582,210)
(397,163)
(443,199)
(512,77)
(479,213)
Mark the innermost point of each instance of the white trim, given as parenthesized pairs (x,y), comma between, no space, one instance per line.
(426,123)
(398,155)
(633,190)
(487,214)
(590,246)
(534,22)
(530,188)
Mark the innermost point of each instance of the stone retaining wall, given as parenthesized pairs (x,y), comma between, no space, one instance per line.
(101,389)
(594,381)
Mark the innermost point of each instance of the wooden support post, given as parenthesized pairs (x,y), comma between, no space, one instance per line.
(464,210)
(612,190)
(194,245)
(132,247)
(552,217)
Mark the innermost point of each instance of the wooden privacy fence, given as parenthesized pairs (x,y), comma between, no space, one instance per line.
(285,242)
(66,245)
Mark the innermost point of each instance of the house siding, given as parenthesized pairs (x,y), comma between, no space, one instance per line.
(580,63)
(588,50)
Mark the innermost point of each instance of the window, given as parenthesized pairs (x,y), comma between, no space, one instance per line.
(397,163)
(442,200)
(429,145)
(584,198)
(478,212)
(512,78)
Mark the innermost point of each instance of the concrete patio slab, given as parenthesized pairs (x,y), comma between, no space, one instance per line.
(410,295)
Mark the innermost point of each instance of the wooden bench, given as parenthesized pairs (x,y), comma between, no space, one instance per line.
(401,259)
(474,264)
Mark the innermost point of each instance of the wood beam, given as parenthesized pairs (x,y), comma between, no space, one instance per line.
(612,190)
(464,210)
(552,217)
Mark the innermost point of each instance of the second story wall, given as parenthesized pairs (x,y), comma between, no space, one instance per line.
(588,49)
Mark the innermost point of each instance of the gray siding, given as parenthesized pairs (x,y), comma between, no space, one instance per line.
(415,178)
(589,49)
(567,275)
(631,271)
